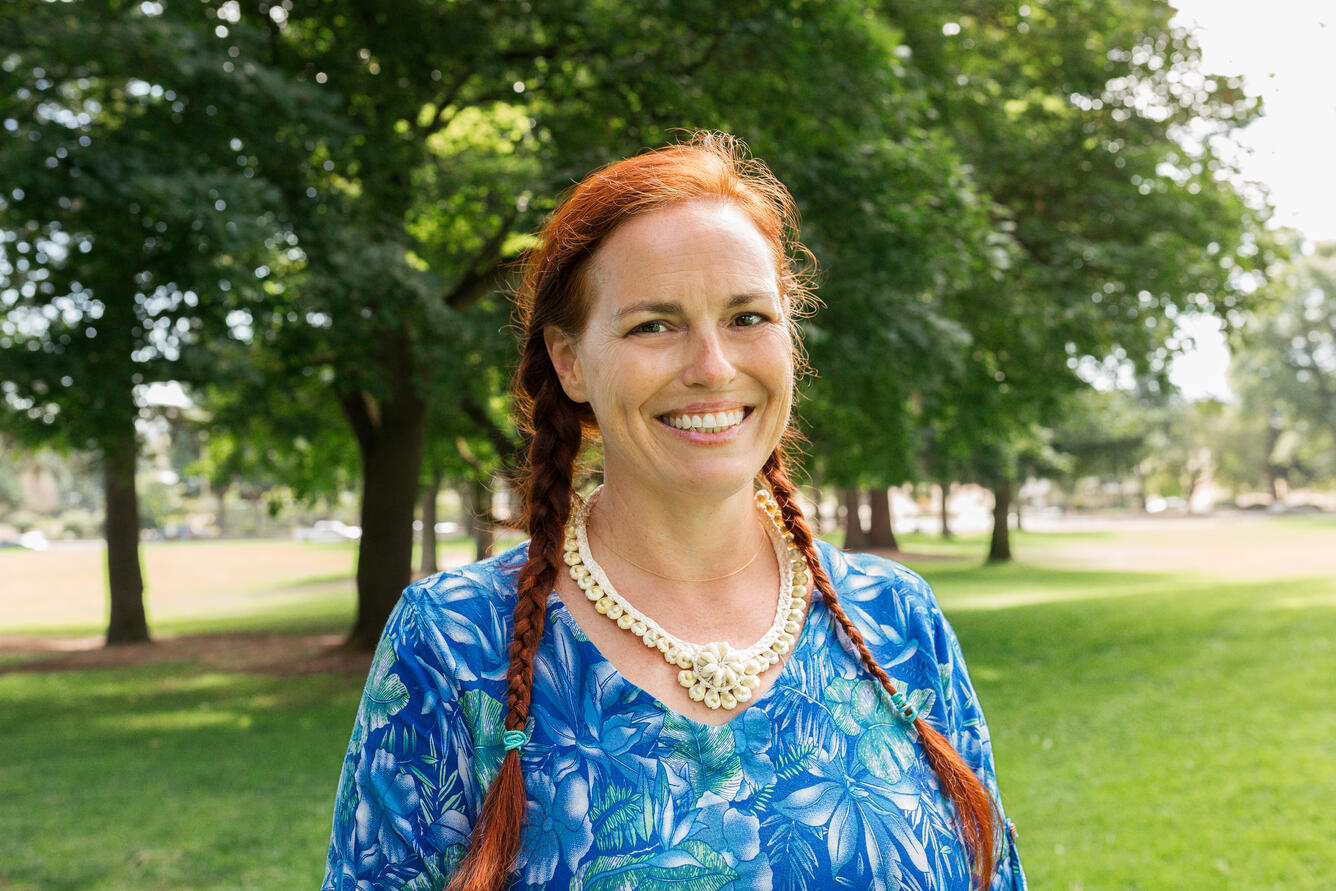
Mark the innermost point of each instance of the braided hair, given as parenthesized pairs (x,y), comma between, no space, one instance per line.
(553,294)
(976,815)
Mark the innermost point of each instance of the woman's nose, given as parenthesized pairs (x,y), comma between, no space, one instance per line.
(709,363)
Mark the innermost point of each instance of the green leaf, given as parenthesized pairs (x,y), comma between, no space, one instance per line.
(484,716)
(386,693)
(791,762)
(885,743)
(886,750)
(692,866)
(922,700)
(617,813)
(714,763)
(856,705)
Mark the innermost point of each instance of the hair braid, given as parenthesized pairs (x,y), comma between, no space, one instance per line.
(554,445)
(975,812)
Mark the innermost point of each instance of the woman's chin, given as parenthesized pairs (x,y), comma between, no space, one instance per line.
(706,481)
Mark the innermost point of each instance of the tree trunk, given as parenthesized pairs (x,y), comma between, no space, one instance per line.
(220,517)
(999,549)
(389,435)
(945,488)
(480,520)
(854,536)
(427,564)
(1272,471)
(879,533)
(125,580)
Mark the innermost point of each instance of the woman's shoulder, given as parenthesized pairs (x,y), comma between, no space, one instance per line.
(463,615)
(470,587)
(872,575)
(887,600)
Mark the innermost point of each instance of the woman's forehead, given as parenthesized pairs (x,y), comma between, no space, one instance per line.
(683,251)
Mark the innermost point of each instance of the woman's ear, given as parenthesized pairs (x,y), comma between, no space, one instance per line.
(561,350)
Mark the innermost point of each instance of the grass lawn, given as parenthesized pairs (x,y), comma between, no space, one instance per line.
(1158,733)
(1155,730)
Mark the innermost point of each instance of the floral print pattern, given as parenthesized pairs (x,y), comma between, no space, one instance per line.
(817,784)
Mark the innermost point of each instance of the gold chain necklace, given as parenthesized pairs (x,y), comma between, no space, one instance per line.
(672,578)
(715,673)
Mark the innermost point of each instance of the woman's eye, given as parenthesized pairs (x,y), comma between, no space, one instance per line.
(654,327)
(749,319)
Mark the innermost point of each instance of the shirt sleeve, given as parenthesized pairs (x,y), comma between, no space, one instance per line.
(968,733)
(404,807)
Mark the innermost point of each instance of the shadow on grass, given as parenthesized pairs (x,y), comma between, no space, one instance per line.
(180,777)
(974,585)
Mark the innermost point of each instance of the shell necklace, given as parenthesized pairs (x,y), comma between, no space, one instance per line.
(714,673)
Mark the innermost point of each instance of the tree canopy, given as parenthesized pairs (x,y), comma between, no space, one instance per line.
(309,214)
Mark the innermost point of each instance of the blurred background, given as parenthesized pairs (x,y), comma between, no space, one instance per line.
(1076,365)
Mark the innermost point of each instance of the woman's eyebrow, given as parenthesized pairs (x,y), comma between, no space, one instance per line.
(667,308)
(657,308)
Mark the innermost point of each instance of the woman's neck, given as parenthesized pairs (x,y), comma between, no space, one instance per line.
(680,537)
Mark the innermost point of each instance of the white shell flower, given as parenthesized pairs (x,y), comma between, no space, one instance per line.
(718,666)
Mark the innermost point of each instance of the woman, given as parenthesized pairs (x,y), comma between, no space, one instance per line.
(671,681)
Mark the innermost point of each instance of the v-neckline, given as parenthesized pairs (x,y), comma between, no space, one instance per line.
(557,609)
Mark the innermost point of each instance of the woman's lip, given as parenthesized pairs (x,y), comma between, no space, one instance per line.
(700,436)
(728,434)
(703,409)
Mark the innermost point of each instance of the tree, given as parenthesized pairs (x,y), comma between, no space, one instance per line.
(894,220)
(1284,366)
(462,125)
(1095,139)
(133,223)
(1104,434)
(1183,448)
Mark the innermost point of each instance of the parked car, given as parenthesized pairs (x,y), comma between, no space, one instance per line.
(442,528)
(31,541)
(1160,505)
(327,530)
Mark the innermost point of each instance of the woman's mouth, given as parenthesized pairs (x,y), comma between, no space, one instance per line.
(706,422)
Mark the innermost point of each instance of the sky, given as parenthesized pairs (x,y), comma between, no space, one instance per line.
(1286,52)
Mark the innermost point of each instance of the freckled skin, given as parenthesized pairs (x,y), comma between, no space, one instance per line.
(710,351)
(686,316)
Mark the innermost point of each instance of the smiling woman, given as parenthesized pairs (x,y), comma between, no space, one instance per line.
(685,357)
(671,681)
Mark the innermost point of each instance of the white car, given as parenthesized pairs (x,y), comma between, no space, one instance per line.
(328,530)
(443,528)
(34,540)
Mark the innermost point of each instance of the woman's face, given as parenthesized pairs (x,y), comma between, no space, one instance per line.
(686,358)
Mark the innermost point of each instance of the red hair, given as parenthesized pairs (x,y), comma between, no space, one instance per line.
(711,166)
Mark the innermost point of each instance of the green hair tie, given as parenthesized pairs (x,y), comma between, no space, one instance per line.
(906,711)
(514,739)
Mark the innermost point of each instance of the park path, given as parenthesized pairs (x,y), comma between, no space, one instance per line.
(1235,545)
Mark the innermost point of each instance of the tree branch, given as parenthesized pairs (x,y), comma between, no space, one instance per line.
(444,101)
(485,272)
(360,410)
(506,448)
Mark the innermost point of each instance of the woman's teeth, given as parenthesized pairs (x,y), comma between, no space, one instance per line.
(707,423)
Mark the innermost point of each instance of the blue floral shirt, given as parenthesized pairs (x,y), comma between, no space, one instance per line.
(815,785)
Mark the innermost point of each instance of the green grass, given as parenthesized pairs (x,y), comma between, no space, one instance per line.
(1152,731)
(1173,735)
(167,776)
